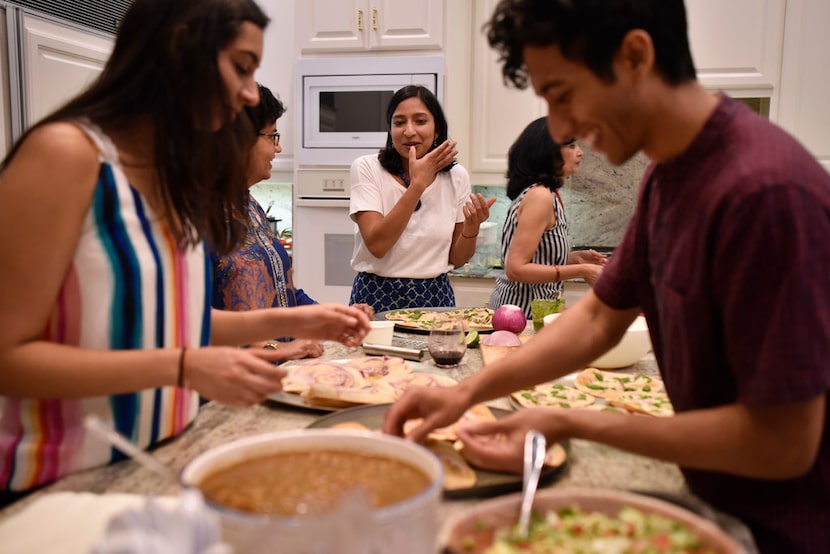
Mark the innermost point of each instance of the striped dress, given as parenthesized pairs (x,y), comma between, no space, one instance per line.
(129,286)
(553,249)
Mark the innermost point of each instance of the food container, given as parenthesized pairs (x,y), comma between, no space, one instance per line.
(381,333)
(473,532)
(410,526)
(634,344)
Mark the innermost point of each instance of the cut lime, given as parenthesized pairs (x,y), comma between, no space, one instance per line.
(472,339)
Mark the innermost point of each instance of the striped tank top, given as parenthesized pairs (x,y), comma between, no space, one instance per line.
(130,285)
(553,249)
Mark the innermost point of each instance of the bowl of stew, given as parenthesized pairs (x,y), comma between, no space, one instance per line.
(322,490)
(587,520)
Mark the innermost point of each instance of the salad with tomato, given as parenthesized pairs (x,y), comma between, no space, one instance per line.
(570,530)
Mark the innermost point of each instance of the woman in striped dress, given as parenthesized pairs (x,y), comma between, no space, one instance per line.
(536,248)
(106,310)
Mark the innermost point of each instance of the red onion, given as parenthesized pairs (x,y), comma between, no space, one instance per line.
(509,317)
(501,338)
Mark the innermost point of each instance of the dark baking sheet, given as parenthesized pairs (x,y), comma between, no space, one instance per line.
(297,401)
(381,316)
(488,483)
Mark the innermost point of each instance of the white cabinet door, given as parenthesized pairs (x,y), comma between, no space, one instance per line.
(499,112)
(737,44)
(805,80)
(331,25)
(406,25)
(58,62)
(358,25)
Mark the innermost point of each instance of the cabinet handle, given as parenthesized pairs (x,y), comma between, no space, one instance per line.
(360,20)
(374,19)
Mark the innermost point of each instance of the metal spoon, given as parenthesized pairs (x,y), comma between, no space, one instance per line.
(534,457)
(110,435)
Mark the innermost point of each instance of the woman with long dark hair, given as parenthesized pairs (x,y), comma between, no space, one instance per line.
(414,210)
(536,248)
(106,310)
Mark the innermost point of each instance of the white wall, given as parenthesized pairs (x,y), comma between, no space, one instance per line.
(277,73)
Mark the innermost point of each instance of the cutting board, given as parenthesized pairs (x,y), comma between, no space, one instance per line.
(490,354)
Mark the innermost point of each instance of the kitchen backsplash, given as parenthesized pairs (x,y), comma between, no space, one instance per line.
(599,200)
(278,196)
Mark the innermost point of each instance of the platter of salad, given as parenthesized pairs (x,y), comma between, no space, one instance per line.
(587,520)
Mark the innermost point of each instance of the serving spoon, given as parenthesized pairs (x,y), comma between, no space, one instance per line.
(534,458)
(109,434)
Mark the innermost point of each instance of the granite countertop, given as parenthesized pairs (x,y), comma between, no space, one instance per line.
(590,465)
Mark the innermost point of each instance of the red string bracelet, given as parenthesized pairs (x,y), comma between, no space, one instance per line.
(558,275)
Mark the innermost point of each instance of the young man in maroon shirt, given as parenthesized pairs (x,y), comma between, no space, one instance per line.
(728,256)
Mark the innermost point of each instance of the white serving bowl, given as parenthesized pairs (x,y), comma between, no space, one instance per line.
(634,344)
(472,532)
(410,526)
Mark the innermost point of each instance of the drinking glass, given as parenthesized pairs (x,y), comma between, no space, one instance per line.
(540,307)
(447,342)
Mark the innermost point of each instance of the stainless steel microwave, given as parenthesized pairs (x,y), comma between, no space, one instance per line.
(344,101)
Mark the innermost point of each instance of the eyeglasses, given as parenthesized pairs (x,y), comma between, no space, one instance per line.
(273,137)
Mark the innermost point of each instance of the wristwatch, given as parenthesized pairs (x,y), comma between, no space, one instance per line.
(271,345)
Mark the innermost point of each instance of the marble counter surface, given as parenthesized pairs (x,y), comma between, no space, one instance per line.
(590,465)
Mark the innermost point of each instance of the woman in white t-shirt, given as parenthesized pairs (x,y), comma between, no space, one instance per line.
(416,217)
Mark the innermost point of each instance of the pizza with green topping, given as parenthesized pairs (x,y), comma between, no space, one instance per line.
(553,395)
(653,403)
(601,383)
(637,393)
(425,318)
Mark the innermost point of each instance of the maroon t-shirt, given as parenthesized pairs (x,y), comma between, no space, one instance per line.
(728,255)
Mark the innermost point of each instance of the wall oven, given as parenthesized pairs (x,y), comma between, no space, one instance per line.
(342,115)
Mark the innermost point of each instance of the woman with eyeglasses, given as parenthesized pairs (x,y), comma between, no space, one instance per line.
(416,217)
(106,311)
(536,248)
(258,274)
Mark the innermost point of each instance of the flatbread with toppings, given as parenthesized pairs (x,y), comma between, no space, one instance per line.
(457,472)
(425,319)
(602,383)
(401,384)
(379,392)
(313,372)
(636,393)
(649,403)
(380,367)
(555,395)
(477,412)
(347,383)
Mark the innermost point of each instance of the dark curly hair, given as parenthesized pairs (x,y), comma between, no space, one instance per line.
(590,32)
(269,109)
(534,158)
(389,158)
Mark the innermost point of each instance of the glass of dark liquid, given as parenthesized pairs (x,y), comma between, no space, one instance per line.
(447,342)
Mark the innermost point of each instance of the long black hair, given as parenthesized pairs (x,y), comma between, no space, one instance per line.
(534,158)
(389,158)
(163,68)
